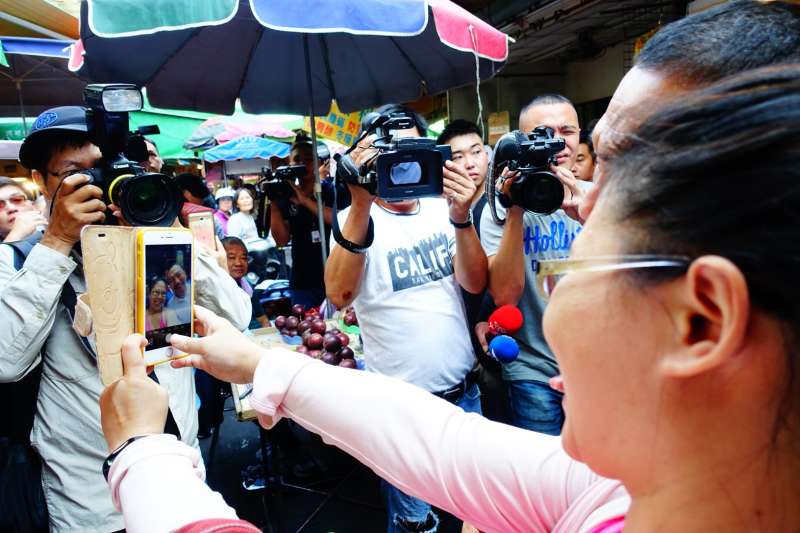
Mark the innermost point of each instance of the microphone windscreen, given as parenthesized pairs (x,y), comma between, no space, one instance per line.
(504,349)
(506,319)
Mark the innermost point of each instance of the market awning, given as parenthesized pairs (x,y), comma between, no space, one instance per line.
(247,147)
(221,129)
(34,76)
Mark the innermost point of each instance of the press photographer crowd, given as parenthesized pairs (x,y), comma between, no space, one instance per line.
(580,328)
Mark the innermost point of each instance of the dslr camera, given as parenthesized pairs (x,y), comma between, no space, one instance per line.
(275,184)
(405,167)
(535,189)
(145,198)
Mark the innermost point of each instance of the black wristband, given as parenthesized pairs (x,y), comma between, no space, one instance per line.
(113,455)
(463,225)
(350,246)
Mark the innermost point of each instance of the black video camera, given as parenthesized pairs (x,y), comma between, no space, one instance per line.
(405,167)
(535,189)
(145,198)
(275,184)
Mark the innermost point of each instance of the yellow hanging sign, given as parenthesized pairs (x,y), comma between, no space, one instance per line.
(337,126)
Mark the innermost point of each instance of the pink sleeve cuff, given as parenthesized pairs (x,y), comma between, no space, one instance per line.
(157,483)
(219,525)
(272,381)
(144,450)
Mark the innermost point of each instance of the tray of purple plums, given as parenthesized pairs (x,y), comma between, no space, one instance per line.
(313,336)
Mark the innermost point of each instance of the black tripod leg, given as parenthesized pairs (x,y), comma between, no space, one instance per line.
(212,451)
(272,497)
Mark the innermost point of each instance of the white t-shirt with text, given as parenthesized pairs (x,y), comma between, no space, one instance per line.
(409,306)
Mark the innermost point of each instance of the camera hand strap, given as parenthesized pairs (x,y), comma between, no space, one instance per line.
(350,246)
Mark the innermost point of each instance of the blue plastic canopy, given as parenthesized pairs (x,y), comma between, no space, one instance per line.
(30,46)
(247,147)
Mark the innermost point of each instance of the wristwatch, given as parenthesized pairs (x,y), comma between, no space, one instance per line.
(462,225)
(113,455)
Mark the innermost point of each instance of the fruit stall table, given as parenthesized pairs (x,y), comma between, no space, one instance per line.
(271,338)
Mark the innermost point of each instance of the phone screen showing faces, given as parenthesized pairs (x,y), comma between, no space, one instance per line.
(168,293)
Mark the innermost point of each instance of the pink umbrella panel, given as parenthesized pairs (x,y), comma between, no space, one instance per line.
(219,130)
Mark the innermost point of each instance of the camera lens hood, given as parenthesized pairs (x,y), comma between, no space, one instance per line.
(538,191)
(148,199)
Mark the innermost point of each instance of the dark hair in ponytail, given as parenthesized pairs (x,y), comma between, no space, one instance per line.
(718,172)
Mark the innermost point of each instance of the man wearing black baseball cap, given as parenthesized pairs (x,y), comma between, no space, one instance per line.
(35,301)
(55,151)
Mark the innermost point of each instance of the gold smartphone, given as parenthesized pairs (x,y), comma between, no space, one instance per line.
(203,229)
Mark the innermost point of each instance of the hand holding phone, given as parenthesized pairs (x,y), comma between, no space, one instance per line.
(134,404)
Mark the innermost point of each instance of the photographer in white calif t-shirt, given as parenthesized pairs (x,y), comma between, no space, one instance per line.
(405,289)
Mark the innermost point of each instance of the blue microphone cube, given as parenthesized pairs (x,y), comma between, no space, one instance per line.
(504,349)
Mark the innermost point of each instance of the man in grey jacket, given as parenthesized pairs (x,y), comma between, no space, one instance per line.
(36,328)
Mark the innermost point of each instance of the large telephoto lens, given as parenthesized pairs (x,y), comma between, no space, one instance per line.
(540,192)
(148,199)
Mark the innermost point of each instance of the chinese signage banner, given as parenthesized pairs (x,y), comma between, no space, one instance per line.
(337,126)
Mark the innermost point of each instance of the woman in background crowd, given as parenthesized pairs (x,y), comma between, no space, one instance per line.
(242,224)
(224,197)
(19,217)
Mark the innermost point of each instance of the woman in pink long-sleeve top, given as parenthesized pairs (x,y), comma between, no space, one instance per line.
(674,326)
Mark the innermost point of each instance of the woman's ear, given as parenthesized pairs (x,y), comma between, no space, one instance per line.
(711,312)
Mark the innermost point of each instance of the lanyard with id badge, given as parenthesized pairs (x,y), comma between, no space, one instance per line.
(316,237)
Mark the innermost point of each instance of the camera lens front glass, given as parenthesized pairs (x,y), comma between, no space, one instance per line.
(148,200)
(145,196)
(542,192)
